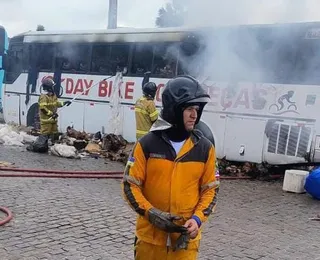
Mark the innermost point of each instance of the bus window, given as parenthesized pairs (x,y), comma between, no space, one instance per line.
(284,66)
(16,63)
(142,58)
(165,60)
(74,58)
(100,59)
(119,57)
(45,54)
(307,65)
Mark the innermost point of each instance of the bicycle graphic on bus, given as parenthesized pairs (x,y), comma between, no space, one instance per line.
(284,104)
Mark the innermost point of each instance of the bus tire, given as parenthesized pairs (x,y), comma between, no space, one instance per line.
(33,119)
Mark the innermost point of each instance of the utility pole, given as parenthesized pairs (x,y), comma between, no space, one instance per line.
(113,14)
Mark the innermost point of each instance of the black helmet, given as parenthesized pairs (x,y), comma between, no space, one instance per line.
(179,93)
(48,84)
(205,130)
(149,89)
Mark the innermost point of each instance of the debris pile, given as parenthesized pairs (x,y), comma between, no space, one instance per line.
(110,146)
(66,151)
(15,136)
(40,145)
(71,132)
(116,148)
(242,169)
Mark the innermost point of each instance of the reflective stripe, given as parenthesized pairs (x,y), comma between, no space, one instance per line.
(132,180)
(140,132)
(142,111)
(48,120)
(50,103)
(154,113)
(210,185)
(49,113)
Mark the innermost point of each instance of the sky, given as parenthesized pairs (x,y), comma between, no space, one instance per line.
(22,15)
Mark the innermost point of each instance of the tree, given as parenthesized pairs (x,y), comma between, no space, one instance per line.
(40,27)
(172,15)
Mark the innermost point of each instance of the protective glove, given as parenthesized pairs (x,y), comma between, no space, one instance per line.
(164,221)
(182,242)
(67,103)
(55,115)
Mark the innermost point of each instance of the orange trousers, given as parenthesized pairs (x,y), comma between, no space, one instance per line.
(146,251)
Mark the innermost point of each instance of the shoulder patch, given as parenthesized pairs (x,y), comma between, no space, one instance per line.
(130,161)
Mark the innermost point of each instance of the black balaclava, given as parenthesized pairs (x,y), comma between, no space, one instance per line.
(179,93)
(178,133)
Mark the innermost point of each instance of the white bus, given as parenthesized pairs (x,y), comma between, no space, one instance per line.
(263,81)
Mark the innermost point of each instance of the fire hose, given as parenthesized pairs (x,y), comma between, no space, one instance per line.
(20,172)
(87,89)
(23,172)
(7,218)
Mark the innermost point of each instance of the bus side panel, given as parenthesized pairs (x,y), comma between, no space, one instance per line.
(97,117)
(242,142)
(73,116)
(315,155)
(11,104)
(129,123)
(217,124)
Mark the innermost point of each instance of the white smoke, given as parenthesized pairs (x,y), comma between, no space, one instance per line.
(230,12)
(244,55)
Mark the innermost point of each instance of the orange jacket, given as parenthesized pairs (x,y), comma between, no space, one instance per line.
(182,184)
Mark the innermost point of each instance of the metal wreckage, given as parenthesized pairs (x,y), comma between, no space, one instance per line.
(77,144)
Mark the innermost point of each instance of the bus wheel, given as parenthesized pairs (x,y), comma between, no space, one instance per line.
(33,119)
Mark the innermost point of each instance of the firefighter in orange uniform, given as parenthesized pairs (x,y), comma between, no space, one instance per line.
(169,179)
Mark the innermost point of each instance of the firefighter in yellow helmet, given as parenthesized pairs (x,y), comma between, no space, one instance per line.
(145,110)
(48,106)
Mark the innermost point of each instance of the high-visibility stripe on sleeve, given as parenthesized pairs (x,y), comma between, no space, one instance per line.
(142,111)
(130,179)
(155,113)
(141,132)
(210,185)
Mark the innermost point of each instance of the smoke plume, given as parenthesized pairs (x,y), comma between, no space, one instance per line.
(258,54)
